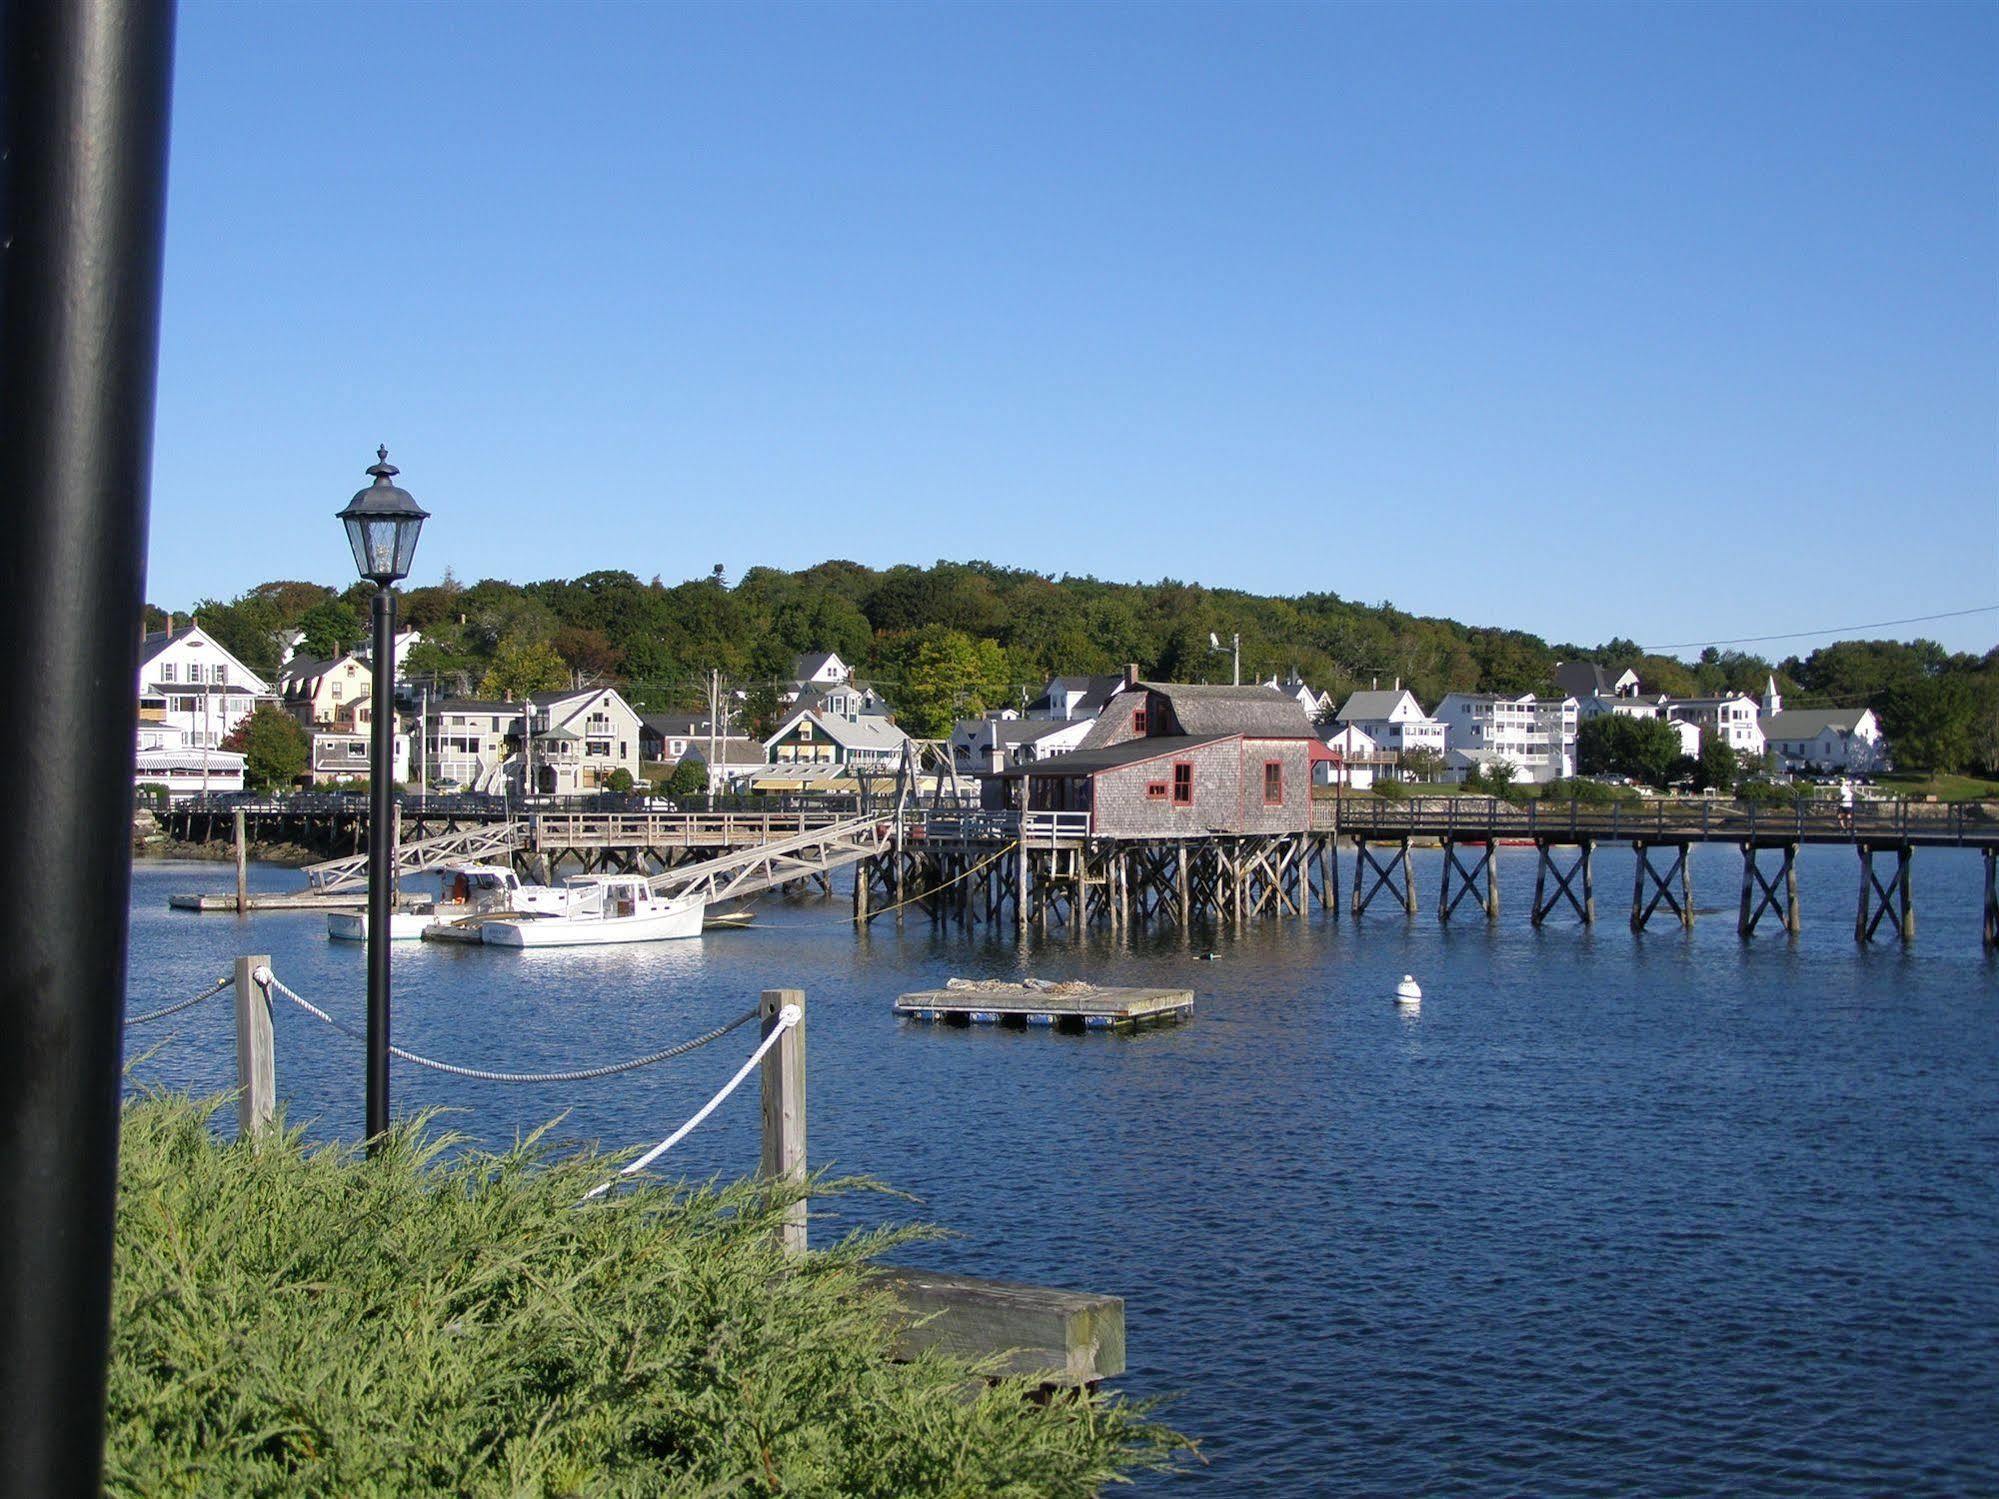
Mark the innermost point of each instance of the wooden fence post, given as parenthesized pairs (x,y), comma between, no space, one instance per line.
(256,1065)
(784,1108)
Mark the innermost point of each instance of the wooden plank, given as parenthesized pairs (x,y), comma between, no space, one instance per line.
(1105,1006)
(1058,1337)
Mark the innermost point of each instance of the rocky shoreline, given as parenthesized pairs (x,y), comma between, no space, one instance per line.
(148,842)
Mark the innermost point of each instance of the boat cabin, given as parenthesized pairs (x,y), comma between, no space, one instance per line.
(610,897)
(480,886)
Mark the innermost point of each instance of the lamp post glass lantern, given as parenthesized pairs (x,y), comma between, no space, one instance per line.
(382,523)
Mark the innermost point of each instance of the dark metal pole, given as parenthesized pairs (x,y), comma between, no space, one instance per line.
(381,860)
(84,88)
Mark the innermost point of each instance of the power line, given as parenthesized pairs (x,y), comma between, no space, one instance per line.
(1879,624)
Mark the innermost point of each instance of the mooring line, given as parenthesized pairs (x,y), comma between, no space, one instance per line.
(787,1017)
(481,1074)
(186,1004)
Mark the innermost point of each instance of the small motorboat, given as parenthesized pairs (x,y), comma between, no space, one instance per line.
(466,891)
(406,923)
(474,894)
(601,908)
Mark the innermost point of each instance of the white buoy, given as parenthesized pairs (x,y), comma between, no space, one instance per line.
(1408,992)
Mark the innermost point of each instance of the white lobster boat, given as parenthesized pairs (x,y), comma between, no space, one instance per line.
(468,892)
(602,908)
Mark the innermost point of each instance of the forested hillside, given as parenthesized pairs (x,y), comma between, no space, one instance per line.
(958,638)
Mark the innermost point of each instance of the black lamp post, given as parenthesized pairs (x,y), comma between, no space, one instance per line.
(382,524)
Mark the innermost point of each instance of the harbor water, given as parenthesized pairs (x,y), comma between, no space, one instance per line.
(1672,1213)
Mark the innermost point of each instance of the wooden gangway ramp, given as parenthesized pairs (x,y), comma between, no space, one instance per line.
(1047,1006)
(479,845)
(817,851)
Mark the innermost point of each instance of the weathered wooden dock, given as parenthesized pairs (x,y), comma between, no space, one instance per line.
(290,900)
(1058,1007)
(1055,1337)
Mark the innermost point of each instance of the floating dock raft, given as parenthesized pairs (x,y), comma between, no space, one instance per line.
(1067,1006)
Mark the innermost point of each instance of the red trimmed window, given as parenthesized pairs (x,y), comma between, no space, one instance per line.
(1155,791)
(1273,783)
(1138,720)
(1183,783)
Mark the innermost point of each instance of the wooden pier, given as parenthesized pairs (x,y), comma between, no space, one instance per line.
(1071,1007)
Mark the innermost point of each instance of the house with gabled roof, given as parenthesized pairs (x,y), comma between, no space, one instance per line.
(985,746)
(1585,679)
(190,683)
(818,736)
(1393,720)
(1070,698)
(582,739)
(326,692)
(1841,741)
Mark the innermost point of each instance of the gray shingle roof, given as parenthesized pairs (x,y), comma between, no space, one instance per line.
(1373,704)
(1809,723)
(1583,679)
(1110,757)
(1257,712)
(810,664)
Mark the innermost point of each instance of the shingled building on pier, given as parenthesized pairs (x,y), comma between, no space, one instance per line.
(1174,759)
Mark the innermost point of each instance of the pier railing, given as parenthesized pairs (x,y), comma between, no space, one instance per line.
(1662,820)
(1000,825)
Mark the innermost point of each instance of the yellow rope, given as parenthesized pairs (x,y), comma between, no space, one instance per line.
(921,894)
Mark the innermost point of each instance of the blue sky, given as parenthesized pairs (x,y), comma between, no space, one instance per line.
(1674,322)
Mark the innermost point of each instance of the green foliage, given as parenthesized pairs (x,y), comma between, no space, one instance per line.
(154,794)
(446,1321)
(1493,777)
(1422,763)
(689,778)
(659,641)
(330,629)
(273,745)
(521,666)
(1594,793)
(947,675)
(618,780)
(1946,724)
(1716,769)
(1617,744)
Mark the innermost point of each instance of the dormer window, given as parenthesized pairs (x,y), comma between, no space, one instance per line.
(1138,719)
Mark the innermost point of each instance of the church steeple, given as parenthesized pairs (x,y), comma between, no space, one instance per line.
(1773,700)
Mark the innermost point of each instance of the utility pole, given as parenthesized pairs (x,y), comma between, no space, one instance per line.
(1234,649)
(714,698)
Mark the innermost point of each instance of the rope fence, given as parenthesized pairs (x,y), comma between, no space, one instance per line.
(486,1075)
(186,1004)
(786,1018)
(780,1053)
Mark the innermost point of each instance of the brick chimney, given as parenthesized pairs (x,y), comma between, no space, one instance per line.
(1131,674)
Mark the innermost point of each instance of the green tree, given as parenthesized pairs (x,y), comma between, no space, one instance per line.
(1618,744)
(273,747)
(1422,763)
(329,630)
(1716,768)
(522,666)
(947,675)
(689,778)
(1939,724)
(619,780)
